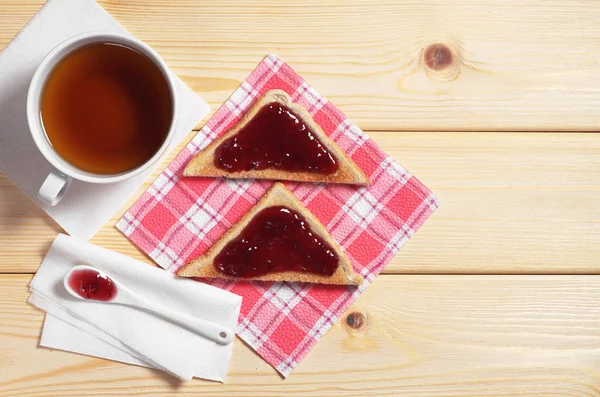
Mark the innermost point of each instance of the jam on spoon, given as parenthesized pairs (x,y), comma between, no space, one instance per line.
(277,239)
(275,138)
(92,284)
(88,283)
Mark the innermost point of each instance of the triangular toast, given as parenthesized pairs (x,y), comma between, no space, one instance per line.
(348,172)
(277,195)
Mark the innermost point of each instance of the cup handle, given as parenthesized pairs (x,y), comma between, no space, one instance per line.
(54,188)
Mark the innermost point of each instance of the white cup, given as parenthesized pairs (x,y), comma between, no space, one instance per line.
(56,184)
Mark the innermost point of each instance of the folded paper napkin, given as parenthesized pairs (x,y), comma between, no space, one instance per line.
(85,207)
(178,218)
(123,333)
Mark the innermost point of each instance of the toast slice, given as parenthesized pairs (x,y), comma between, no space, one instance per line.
(203,164)
(277,195)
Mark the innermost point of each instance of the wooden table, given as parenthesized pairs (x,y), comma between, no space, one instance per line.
(493,105)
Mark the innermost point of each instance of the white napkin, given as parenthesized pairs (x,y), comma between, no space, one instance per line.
(123,333)
(85,207)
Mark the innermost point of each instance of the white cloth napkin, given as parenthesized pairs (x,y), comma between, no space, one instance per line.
(126,334)
(85,207)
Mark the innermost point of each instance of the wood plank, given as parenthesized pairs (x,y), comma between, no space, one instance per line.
(14,14)
(516,65)
(422,336)
(510,203)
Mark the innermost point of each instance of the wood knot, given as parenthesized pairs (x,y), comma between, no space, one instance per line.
(438,56)
(355,321)
(442,60)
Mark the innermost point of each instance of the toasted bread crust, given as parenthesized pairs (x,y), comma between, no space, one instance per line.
(348,172)
(278,194)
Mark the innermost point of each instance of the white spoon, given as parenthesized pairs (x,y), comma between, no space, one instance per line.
(106,289)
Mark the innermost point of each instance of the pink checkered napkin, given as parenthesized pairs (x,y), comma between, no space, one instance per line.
(179,218)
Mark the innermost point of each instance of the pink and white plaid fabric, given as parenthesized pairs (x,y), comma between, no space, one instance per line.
(179,218)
